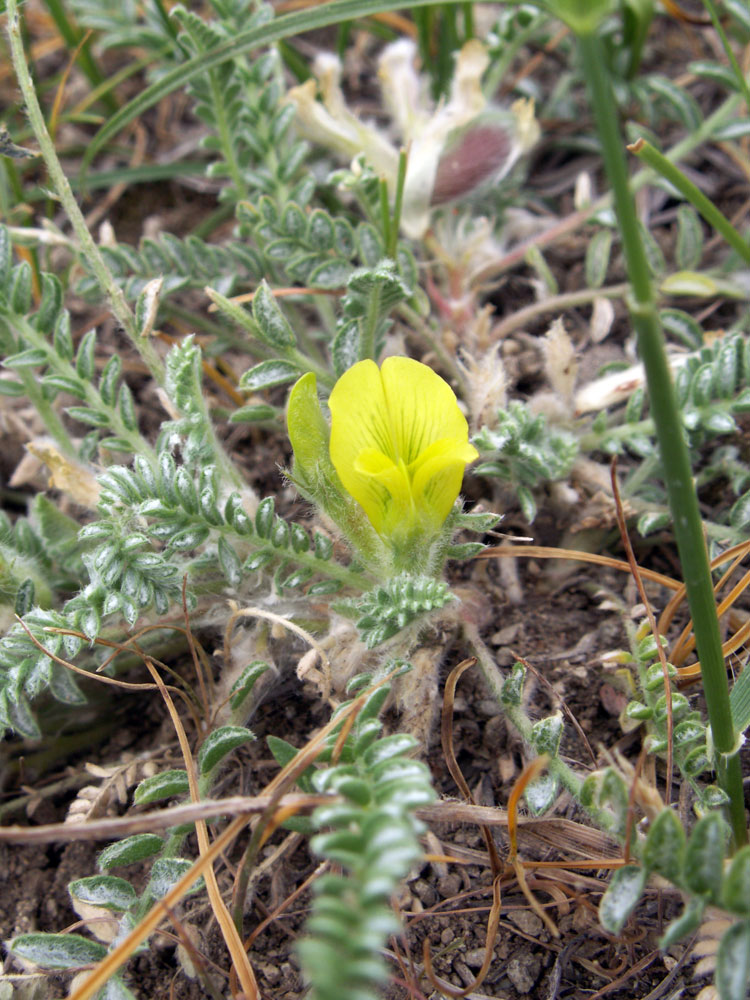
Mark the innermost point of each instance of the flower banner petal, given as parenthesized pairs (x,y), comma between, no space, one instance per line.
(359,423)
(422,407)
(399,443)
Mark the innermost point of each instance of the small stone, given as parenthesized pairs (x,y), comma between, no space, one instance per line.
(527,922)
(449,885)
(425,892)
(271,973)
(463,971)
(613,701)
(446,935)
(474,958)
(504,658)
(523,972)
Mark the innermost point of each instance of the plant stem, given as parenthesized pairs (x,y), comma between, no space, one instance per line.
(674,454)
(50,417)
(515,713)
(556,304)
(104,276)
(658,162)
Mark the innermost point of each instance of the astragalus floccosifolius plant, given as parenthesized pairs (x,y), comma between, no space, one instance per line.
(334,263)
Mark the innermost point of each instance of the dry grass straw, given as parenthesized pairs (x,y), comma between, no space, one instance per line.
(240,961)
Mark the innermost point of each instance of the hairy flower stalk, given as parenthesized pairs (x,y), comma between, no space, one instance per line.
(399,444)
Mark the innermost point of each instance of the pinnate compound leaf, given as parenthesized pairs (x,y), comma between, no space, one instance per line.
(85,360)
(58,951)
(243,686)
(621,897)
(388,608)
(115,990)
(220,743)
(16,713)
(229,561)
(30,358)
(268,374)
(733,962)
(331,274)
(540,794)
(345,348)
(130,850)
(547,733)
(389,747)
(167,872)
(255,413)
(9,388)
(264,517)
(689,246)
(688,922)
(739,700)
(597,258)
(273,326)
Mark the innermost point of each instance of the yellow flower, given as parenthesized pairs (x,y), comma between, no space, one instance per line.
(399,444)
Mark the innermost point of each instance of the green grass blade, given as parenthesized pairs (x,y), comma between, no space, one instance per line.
(654,159)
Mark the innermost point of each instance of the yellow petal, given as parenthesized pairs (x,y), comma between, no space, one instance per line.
(359,423)
(396,504)
(399,443)
(437,476)
(422,407)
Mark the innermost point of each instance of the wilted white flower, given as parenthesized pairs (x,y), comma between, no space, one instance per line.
(452,149)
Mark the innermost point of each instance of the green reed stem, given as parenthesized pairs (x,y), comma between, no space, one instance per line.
(672,173)
(683,501)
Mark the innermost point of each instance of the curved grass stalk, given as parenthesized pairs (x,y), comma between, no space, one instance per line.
(104,276)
